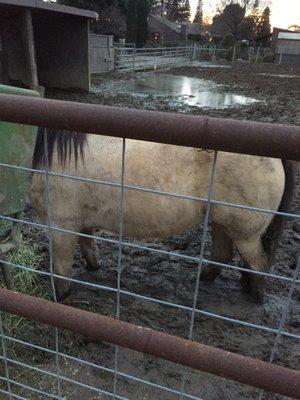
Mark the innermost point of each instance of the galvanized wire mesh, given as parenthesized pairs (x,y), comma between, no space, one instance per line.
(14,389)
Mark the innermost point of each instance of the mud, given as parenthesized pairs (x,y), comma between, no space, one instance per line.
(172,280)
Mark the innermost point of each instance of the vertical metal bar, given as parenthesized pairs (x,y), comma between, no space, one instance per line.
(121,234)
(257,55)
(201,257)
(280,57)
(214,54)
(234,53)
(5,358)
(283,318)
(133,58)
(194,51)
(50,241)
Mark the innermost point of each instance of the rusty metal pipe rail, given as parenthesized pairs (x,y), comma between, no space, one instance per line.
(222,363)
(245,137)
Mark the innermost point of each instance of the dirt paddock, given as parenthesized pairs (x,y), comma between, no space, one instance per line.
(168,278)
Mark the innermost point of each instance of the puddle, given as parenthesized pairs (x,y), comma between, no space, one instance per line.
(207,64)
(280,75)
(171,85)
(179,90)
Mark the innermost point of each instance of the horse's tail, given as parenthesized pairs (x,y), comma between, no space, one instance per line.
(65,142)
(271,237)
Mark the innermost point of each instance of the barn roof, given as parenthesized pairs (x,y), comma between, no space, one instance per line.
(46,6)
(289,35)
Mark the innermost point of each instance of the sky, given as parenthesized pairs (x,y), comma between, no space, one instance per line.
(283,12)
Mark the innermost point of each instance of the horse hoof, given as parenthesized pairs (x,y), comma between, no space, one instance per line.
(246,282)
(253,285)
(209,275)
(62,289)
(95,266)
(257,297)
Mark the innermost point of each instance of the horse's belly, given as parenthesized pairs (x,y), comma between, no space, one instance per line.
(145,215)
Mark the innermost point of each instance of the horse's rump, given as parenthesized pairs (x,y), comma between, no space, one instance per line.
(271,237)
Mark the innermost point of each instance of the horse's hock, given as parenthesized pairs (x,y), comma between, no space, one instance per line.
(58,184)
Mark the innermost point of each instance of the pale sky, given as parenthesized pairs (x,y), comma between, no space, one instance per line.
(283,12)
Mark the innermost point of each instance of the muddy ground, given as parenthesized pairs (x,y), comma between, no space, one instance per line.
(170,279)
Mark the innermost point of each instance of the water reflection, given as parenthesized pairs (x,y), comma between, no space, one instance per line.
(190,91)
(171,85)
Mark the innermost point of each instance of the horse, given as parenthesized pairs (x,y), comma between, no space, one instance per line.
(84,206)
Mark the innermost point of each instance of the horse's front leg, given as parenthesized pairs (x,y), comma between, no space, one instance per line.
(63,255)
(90,250)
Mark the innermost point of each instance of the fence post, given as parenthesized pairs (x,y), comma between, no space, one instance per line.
(195,51)
(234,53)
(133,58)
(280,58)
(257,55)
(214,54)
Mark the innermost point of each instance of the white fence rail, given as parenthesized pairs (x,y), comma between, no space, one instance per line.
(132,59)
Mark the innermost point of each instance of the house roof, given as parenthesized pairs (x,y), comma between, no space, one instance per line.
(192,29)
(46,6)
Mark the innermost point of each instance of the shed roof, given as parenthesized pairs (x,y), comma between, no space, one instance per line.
(289,35)
(42,5)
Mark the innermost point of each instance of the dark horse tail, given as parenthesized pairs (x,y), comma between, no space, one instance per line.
(271,237)
(67,143)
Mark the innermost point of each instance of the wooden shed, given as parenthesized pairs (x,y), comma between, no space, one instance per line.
(44,44)
(288,48)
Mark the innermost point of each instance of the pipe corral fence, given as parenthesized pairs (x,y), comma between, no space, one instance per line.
(134,59)
(243,137)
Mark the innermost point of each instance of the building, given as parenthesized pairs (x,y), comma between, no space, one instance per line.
(287,48)
(164,31)
(44,44)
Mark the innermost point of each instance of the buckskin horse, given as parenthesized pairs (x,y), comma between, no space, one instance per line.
(85,207)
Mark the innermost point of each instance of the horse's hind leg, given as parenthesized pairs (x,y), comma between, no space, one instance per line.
(90,250)
(63,256)
(222,252)
(252,252)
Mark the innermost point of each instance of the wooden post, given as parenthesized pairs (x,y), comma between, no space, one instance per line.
(30,50)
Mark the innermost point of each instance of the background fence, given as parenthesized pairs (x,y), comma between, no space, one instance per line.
(224,135)
(132,59)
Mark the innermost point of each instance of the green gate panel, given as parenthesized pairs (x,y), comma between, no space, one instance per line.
(16,148)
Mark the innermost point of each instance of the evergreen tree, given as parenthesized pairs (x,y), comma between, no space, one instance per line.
(264,27)
(178,10)
(184,11)
(137,12)
(143,9)
(199,13)
(131,13)
(112,18)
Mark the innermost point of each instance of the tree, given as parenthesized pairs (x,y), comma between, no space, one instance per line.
(229,21)
(264,27)
(228,41)
(247,5)
(137,12)
(177,10)
(131,13)
(112,19)
(199,13)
